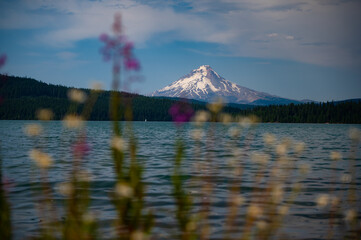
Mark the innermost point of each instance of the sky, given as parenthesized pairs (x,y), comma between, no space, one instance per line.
(297,49)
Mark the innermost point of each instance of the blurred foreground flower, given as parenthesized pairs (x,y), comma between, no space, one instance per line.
(73,121)
(281,149)
(181,112)
(117,47)
(96,86)
(247,122)
(355,134)
(81,148)
(118,143)
(322,200)
(269,139)
(350,215)
(346,178)
(260,158)
(197,134)
(77,96)
(299,147)
(123,190)
(2,60)
(44,114)
(216,106)
(335,156)
(201,117)
(254,211)
(42,159)
(65,188)
(33,130)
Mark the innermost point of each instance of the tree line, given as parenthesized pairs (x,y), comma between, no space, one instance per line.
(20,98)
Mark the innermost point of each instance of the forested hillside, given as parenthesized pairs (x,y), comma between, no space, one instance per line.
(21,97)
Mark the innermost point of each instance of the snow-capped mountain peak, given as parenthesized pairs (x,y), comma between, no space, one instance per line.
(205,84)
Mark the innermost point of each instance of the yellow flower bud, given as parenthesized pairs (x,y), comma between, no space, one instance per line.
(42,159)
(73,121)
(44,114)
(76,95)
(33,130)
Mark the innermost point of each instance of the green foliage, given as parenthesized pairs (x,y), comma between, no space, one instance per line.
(5,219)
(329,112)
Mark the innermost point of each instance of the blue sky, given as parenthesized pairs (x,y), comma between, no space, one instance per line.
(299,49)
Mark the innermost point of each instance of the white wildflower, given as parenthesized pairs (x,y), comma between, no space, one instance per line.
(350,215)
(299,147)
(197,134)
(346,178)
(335,156)
(89,217)
(322,200)
(245,122)
(237,200)
(73,121)
(201,117)
(124,190)
(234,132)
(269,139)
(33,130)
(84,176)
(137,235)
(118,143)
(76,95)
(226,118)
(260,158)
(261,225)
(277,193)
(254,211)
(44,114)
(65,188)
(355,134)
(335,201)
(216,106)
(42,159)
(96,86)
(304,168)
(283,210)
(281,149)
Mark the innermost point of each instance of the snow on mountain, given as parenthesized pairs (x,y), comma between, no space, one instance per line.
(205,84)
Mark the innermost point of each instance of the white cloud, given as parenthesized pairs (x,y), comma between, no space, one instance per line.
(271,35)
(247,28)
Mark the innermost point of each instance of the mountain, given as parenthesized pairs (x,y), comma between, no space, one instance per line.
(204,84)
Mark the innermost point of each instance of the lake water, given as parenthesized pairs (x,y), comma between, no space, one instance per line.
(156,147)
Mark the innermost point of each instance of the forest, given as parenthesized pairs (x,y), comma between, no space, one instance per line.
(20,97)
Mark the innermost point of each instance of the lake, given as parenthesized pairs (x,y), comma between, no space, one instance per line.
(220,149)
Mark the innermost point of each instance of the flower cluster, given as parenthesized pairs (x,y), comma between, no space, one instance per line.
(117,47)
(2,60)
(181,112)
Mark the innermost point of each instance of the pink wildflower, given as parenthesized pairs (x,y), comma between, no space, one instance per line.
(132,64)
(7,184)
(81,148)
(2,60)
(117,25)
(127,50)
(181,112)
(118,47)
(104,37)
